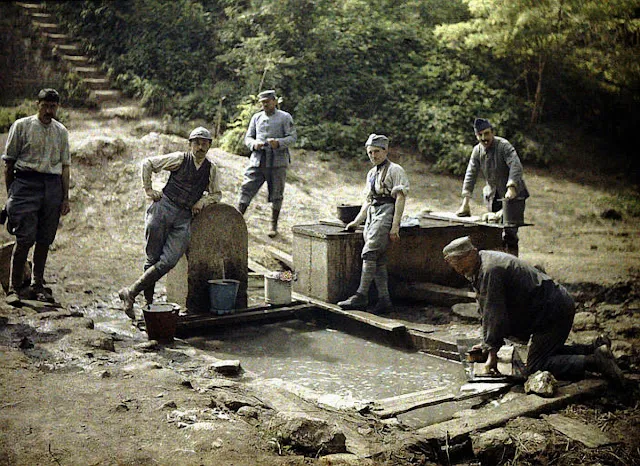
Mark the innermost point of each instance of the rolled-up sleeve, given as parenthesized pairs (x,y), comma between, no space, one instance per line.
(156,163)
(492,301)
(399,179)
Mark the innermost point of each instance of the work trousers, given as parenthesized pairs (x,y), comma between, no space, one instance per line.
(255,177)
(167,232)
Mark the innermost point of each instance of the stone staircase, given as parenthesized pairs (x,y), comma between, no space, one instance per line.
(70,53)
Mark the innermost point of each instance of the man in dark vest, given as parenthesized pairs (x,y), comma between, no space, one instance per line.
(193,184)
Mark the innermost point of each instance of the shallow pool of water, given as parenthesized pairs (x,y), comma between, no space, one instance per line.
(333,362)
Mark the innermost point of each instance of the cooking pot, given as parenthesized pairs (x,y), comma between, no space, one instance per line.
(347,212)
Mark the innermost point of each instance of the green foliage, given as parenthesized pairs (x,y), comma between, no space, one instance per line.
(76,92)
(10,114)
(233,139)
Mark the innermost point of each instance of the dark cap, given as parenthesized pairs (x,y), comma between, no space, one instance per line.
(265,95)
(49,95)
(458,247)
(481,124)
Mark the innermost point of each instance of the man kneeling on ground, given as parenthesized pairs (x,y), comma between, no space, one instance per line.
(520,302)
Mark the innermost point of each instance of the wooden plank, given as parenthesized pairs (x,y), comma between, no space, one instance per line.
(433,293)
(590,436)
(256,267)
(286,259)
(390,407)
(441,289)
(456,430)
(208,322)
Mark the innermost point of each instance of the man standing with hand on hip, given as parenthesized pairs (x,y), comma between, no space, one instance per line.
(269,136)
(36,174)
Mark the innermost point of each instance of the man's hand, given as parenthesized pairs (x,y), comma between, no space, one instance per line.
(492,217)
(511,193)
(153,194)
(273,143)
(394,234)
(351,226)
(258,145)
(197,207)
(64,207)
(465,208)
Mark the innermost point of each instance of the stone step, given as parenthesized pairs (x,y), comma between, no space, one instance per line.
(69,49)
(86,71)
(51,27)
(97,83)
(31,6)
(106,95)
(76,59)
(44,17)
(56,37)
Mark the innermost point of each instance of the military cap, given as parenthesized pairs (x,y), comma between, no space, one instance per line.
(266,95)
(377,140)
(49,95)
(458,247)
(480,124)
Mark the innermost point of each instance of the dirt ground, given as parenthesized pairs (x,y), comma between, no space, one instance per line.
(81,387)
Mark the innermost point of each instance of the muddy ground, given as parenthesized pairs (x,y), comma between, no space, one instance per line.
(80,386)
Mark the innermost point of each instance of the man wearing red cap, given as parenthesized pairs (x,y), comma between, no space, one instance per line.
(502,170)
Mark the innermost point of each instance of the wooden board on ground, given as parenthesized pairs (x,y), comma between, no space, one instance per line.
(286,259)
(590,436)
(433,293)
(390,407)
(490,417)
(195,323)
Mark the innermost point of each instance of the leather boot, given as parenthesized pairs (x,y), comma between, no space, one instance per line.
(603,362)
(242,207)
(383,306)
(40,254)
(148,294)
(357,301)
(275,214)
(128,295)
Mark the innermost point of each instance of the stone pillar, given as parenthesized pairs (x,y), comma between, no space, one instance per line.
(218,236)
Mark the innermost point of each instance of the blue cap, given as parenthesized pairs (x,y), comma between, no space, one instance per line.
(265,95)
(377,140)
(481,124)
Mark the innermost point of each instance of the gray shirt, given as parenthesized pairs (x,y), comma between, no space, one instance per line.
(278,126)
(515,298)
(500,167)
(34,146)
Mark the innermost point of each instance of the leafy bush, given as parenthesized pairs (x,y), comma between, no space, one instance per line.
(233,138)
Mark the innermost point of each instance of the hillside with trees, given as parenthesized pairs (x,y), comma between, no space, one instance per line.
(418,70)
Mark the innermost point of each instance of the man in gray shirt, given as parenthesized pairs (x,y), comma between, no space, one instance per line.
(501,168)
(271,132)
(36,175)
(520,302)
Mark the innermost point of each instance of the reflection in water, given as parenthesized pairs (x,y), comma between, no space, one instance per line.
(333,362)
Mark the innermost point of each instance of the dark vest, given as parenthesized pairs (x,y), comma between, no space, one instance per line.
(186,184)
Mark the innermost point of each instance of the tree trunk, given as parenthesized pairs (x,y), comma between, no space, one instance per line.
(537,103)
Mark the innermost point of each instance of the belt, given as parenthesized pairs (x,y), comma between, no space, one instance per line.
(383,200)
(33,175)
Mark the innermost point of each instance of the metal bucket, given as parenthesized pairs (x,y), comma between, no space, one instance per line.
(513,211)
(222,295)
(160,320)
(276,291)
(347,212)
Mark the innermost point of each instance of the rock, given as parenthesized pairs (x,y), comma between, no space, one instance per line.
(97,150)
(232,401)
(344,459)
(104,374)
(226,367)
(489,447)
(103,342)
(467,311)
(541,383)
(248,411)
(169,405)
(151,345)
(584,321)
(307,434)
